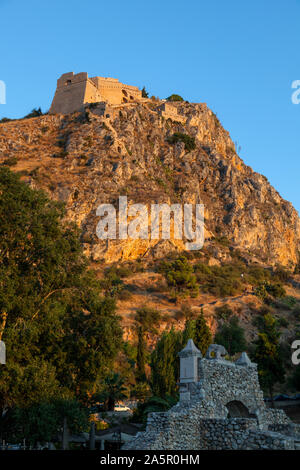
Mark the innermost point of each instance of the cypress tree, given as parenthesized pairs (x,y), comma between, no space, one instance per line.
(141,356)
(231,336)
(268,355)
(165,364)
(203,336)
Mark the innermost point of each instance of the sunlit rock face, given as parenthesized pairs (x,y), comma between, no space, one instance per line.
(92,157)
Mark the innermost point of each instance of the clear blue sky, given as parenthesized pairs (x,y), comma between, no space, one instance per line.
(240,57)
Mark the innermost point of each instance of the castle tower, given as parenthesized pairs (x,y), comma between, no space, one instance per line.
(74,91)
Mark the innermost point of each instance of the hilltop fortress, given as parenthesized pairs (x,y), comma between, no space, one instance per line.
(75,91)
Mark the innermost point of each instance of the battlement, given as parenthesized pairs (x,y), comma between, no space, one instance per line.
(73,91)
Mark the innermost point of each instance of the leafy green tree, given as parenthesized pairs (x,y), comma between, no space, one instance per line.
(175,97)
(24,385)
(40,422)
(52,312)
(268,355)
(232,336)
(202,335)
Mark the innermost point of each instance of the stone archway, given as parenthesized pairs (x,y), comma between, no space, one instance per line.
(237,409)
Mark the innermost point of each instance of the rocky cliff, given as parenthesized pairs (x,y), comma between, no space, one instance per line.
(86,159)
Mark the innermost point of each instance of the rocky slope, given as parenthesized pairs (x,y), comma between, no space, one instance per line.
(85,159)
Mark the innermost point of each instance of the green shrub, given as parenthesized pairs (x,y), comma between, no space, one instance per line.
(222,241)
(221,281)
(296,311)
(289,301)
(257,275)
(266,289)
(118,271)
(189,142)
(34,113)
(125,294)
(179,274)
(148,318)
(282,322)
(185,313)
(224,312)
(10,161)
(276,290)
(175,97)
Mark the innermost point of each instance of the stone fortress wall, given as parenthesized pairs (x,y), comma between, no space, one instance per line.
(74,92)
(221,406)
(168,111)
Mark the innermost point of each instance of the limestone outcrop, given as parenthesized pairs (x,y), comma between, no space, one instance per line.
(92,157)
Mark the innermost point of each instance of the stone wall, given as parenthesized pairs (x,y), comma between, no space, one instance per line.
(221,407)
(239,434)
(74,91)
(116,92)
(167,111)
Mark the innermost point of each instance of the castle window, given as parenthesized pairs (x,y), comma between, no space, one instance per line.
(124,92)
(68,82)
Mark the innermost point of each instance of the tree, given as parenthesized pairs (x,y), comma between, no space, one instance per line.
(148,319)
(36,112)
(60,333)
(165,361)
(294,381)
(141,356)
(188,333)
(179,274)
(41,422)
(185,313)
(165,364)
(202,335)
(112,390)
(145,94)
(231,335)
(175,97)
(268,356)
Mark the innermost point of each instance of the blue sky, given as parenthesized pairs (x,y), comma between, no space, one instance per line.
(240,57)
